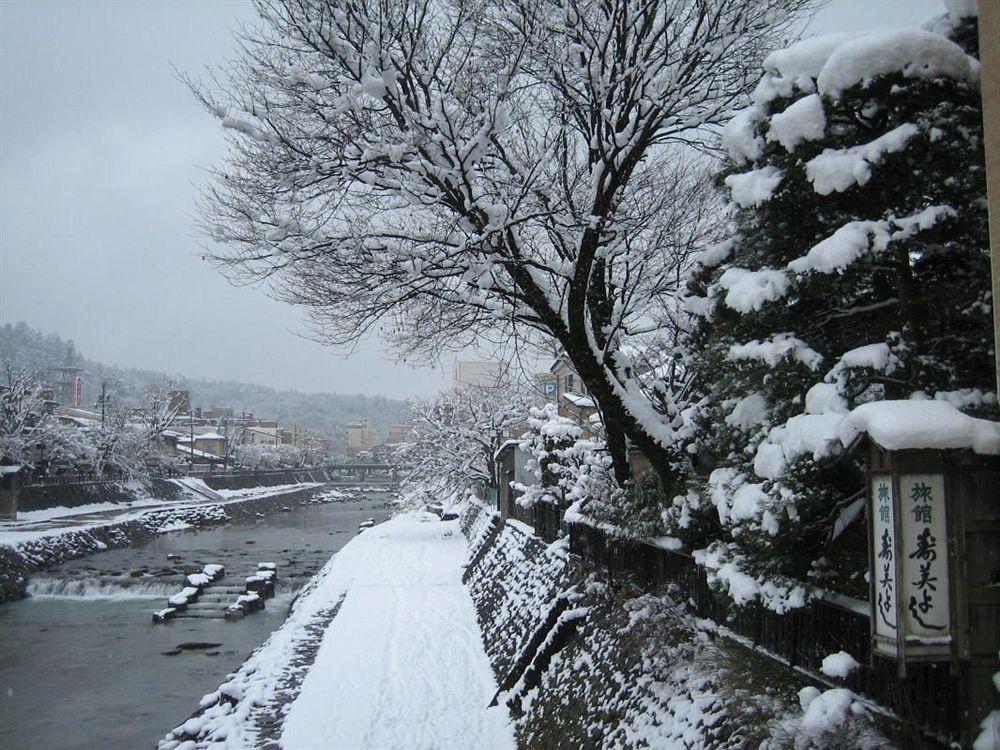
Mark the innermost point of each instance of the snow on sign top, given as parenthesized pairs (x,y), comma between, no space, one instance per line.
(913,52)
(902,425)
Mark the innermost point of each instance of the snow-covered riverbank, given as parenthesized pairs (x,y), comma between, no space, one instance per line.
(33,546)
(584,662)
(382,649)
(388,648)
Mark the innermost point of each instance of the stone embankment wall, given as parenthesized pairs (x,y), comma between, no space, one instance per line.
(48,549)
(40,497)
(264,479)
(581,663)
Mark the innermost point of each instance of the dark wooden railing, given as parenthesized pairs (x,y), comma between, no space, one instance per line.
(928,698)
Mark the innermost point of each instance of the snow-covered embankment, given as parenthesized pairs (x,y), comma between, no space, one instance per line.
(581,663)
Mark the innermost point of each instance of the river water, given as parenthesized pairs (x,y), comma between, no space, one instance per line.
(83,666)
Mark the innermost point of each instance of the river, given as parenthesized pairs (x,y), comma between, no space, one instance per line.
(83,666)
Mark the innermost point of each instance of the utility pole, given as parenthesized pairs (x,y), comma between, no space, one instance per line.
(191,435)
(104,395)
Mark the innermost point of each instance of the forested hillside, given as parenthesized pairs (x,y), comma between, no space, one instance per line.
(322,413)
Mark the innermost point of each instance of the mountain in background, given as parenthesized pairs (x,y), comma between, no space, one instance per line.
(324,414)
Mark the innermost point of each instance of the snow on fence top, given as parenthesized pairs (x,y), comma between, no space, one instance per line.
(902,425)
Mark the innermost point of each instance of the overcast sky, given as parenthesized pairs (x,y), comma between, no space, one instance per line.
(101,153)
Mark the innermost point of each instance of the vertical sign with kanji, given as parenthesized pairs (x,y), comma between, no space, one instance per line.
(884,554)
(926,608)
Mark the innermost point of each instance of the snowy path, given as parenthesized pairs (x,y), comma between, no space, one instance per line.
(402,664)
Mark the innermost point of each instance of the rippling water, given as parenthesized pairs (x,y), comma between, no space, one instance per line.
(82,665)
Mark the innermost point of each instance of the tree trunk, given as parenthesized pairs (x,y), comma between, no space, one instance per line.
(619,423)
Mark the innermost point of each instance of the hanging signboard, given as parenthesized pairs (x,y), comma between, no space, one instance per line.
(910,596)
(884,559)
(933,528)
(924,590)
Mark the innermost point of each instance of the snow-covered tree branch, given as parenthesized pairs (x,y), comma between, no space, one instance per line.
(446,171)
(459,433)
(22,418)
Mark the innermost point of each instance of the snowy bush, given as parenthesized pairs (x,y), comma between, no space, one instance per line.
(552,443)
(266,456)
(577,475)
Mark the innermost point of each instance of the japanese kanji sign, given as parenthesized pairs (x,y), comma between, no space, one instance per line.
(884,573)
(924,588)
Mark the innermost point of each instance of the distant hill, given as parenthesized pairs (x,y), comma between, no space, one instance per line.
(322,413)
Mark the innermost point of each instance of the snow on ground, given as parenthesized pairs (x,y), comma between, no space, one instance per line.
(402,665)
(268,491)
(34,525)
(48,514)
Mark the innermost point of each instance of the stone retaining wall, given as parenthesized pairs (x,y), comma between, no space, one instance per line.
(263,479)
(583,663)
(41,497)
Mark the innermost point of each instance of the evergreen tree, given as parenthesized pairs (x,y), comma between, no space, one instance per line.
(859,271)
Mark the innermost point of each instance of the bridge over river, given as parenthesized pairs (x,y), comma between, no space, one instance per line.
(364,472)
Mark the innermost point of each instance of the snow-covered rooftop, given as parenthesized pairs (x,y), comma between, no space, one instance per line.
(209,436)
(584,402)
(186,450)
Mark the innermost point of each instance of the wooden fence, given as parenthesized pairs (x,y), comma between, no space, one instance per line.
(927,699)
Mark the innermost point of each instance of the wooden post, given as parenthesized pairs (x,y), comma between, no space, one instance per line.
(10,480)
(989,53)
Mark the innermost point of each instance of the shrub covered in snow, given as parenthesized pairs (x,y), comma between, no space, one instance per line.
(859,272)
(553,442)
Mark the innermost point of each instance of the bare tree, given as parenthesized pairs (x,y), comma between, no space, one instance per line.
(159,413)
(448,170)
(459,432)
(22,418)
(234,433)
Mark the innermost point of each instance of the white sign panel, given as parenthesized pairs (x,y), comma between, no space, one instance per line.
(883,537)
(926,605)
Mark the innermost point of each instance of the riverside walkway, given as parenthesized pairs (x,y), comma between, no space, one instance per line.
(387,639)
